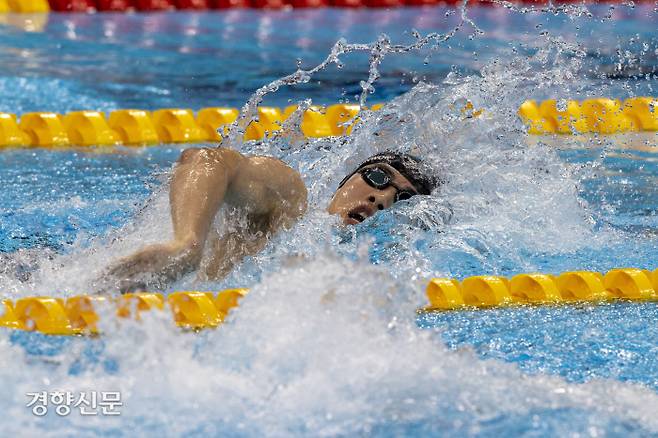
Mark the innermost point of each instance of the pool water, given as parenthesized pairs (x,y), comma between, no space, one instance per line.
(186,59)
(328,341)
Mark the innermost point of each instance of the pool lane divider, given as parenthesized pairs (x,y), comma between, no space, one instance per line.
(603,116)
(32,6)
(629,284)
(24,6)
(139,127)
(79,315)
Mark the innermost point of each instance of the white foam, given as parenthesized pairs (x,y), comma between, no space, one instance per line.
(326,347)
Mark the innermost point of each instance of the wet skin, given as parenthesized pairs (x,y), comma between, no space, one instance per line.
(270,193)
(356,200)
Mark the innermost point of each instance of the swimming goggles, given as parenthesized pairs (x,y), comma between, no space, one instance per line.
(379,179)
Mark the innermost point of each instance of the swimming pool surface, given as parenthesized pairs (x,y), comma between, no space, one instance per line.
(328,342)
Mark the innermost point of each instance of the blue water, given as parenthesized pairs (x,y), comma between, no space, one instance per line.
(58,203)
(580,342)
(150,61)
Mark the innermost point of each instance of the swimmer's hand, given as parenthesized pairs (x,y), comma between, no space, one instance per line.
(152,268)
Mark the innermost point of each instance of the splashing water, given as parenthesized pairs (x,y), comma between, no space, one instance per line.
(327,342)
(309,354)
(377,52)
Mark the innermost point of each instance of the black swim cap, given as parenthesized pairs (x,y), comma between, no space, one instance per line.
(409,166)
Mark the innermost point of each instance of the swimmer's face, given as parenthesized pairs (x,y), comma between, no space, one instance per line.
(357,200)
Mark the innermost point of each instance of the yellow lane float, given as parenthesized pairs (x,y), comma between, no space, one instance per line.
(194,309)
(134,127)
(139,127)
(44,129)
(43,314)
(25,6)
(197,310)
(177,126)
(10,133)
(598,115)
(89,128)
(80,314)
(209,119)
(578,286)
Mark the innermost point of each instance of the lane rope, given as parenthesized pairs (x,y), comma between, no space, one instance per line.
(535,288)
(600,115)
(90,6)
(79,315)
(139,127)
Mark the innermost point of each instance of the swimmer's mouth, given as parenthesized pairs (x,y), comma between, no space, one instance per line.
(357,217)
(358,214)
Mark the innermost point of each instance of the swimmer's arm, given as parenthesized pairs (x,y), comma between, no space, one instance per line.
(274,196)
(204,179)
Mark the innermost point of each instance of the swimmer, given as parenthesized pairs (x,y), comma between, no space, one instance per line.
(272,196)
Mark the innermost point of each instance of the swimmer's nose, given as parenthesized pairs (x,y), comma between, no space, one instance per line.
(381,199)
(373,200)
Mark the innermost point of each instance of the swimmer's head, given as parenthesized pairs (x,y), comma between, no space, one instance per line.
(378,183)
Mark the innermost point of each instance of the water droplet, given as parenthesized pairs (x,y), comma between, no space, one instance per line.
(561,105)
